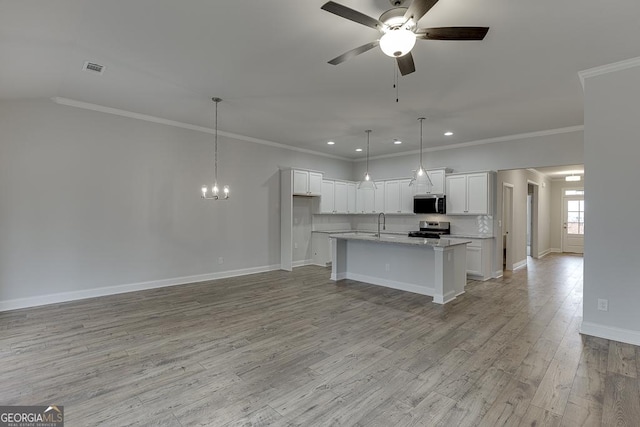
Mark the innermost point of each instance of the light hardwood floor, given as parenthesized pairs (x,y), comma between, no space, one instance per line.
(296,349)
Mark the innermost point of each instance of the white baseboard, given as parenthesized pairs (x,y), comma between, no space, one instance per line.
(18,303)
(549,251)
(302,263)
(611,333)
(520,264)
(497,274)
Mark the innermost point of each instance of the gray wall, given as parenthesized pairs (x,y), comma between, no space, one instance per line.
(612,150)
(90,200)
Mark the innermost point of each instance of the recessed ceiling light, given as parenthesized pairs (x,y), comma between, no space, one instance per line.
(358,149)
(330,143)
(397,142)
(448,133)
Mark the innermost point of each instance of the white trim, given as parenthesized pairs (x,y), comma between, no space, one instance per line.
(481,142)
(498,274)
(154,119)
(548,251)
(403,286)
(61,297)
(520,264)
(160,120)
(610,332)
(609,68)
(302,263)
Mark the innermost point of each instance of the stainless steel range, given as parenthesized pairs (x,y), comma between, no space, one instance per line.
(432,229)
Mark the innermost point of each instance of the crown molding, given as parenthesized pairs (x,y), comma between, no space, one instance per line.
(482,142)
(153,119)
(609,68)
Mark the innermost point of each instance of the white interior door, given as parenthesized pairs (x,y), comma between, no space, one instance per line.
(573,224)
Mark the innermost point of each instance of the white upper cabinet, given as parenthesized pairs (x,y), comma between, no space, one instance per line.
(406,196)
(478,193)
(398,196)
(351,197)
(378,197)
(365,200)
(341,203)
(327,196)
(306,183)
(315,183)
(435,187)
(392,196)
(469,194)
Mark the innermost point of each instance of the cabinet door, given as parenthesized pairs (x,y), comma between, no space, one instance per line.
(351,197)
(365,200)
(406,196)
(326,199)
(392,196)
(437,181)
(456,194)
(378,197)
(340,197)
(300,182)
(315,183)
(477,194)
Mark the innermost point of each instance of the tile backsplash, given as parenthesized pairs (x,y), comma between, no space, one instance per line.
(481,224)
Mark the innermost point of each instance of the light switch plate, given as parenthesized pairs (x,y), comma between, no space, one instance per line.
(603,304)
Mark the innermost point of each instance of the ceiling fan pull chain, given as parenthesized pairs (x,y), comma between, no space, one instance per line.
(396,80)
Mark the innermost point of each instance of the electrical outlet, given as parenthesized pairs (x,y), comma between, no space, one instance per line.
(220,260)
(386,267)
(603,304)
(295,245)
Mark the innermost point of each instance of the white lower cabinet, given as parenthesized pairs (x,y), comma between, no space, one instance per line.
(479,256)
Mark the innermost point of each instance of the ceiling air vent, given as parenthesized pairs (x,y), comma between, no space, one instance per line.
(93,67)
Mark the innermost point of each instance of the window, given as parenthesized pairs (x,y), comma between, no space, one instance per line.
(575,216)
(574,192)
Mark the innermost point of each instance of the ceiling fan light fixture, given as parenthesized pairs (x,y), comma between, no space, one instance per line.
(397,42)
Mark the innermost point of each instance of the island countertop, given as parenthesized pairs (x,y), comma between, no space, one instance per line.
(401,239)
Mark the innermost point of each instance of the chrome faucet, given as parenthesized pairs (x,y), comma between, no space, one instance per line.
(384,223)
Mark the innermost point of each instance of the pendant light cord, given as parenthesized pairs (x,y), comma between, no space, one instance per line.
(215,155)
(421,120)
(368,131)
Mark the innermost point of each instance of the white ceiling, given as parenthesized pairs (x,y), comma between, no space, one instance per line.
(560,172)
(268,61)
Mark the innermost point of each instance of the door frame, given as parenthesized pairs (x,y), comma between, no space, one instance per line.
(508,242)
(534,218)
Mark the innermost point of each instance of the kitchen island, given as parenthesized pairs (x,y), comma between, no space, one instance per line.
(434,267)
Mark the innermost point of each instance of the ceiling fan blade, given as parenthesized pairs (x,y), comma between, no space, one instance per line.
(452,33)
(418,8)
(352,15)
(405,64)
(354,52)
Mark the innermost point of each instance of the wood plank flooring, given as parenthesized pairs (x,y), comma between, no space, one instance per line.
(295,349)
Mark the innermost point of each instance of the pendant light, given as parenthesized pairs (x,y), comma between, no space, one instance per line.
(367,182)
(214,194)
(420,176)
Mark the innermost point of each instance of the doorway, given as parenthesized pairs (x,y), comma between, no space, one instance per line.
(507,225)
(573,222)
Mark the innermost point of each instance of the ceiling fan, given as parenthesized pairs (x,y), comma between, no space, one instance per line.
(399,30)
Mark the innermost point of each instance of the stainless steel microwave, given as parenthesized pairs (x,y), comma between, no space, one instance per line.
(430,204)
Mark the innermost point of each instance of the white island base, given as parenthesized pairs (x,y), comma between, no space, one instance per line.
(423,266)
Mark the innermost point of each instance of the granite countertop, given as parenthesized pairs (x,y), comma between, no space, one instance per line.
(401,239)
